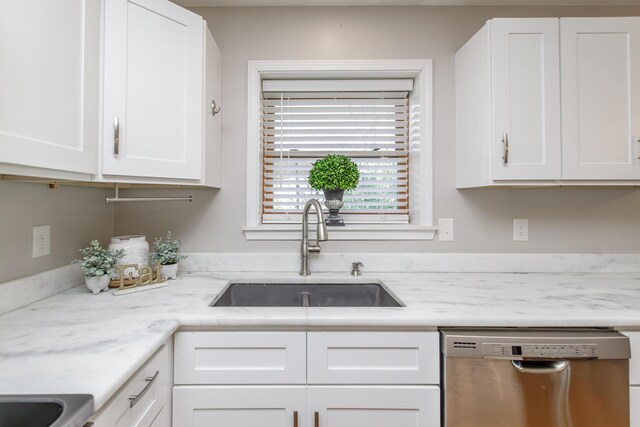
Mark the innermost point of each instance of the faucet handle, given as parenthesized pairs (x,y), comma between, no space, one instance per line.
(355,268)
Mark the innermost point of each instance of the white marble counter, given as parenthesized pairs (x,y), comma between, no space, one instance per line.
(74,342)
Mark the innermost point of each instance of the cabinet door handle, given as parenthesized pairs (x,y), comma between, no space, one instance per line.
(638,156)
(316,419)
(505,147)
(295,418)
(215,109)
(116,136)
(133,400)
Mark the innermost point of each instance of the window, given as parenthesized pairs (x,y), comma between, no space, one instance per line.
(370,127)
(376,113)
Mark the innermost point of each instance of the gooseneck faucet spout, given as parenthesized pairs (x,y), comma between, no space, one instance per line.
(321,235)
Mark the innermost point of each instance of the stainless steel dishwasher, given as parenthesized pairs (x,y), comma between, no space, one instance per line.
(535,378)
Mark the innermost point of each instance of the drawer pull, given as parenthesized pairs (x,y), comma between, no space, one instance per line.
(316,418)
(133,400)
(295,418)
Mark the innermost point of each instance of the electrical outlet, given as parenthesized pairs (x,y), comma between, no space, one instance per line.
(520,230)
(41,241)
(445,229)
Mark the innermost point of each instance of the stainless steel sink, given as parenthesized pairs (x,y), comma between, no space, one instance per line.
(283,293)
(64,410)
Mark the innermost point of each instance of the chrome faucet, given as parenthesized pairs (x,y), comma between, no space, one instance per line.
(321,235)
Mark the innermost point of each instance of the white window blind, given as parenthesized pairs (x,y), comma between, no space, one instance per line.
(368,126)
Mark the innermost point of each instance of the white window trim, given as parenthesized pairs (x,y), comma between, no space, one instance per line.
(422,227)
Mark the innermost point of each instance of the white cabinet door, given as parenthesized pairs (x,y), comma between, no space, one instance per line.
(373,406)
(600,98)
(153,82)
(207,406)
(525,80)
(49,59)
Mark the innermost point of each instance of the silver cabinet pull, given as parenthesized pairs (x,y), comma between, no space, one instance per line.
(316,417)
(133,400)
(116,136)
(638,156)
(295,418)
(505,147)
(215,109)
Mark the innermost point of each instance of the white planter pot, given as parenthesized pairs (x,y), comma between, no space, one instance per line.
(96,284)
(170,271)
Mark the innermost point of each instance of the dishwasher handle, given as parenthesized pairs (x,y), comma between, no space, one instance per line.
(540,366)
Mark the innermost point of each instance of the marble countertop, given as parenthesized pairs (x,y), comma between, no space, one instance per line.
(74,342)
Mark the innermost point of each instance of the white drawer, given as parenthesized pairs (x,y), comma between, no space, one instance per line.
(373,358)
(634,363)
(154,394)
(240,358)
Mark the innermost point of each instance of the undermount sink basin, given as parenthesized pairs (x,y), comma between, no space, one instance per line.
(283,293)
(45,410)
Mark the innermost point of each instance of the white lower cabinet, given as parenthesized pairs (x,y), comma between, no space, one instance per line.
(306,379)
(164,417)
(145,400)
(372,358)
(381,406)
(317,406)
(265,406)
(634,377)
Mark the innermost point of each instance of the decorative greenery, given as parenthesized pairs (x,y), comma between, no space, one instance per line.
(167,251)
(98,261)
(334,172)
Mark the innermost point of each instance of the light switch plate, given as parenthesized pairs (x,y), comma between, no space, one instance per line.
(445,229)
(41,241)
(520,230)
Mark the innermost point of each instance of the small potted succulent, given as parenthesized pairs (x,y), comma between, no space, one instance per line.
(334,175)
(167,251)
(99,266)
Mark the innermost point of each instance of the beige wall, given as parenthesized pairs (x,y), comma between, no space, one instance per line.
(76,216)
(560,220)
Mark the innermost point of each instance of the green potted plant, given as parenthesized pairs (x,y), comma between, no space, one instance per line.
(99,266)
(334,175)
(167,251)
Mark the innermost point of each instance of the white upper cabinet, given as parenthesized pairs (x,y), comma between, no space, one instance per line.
(549,101)
(508,104)
(49,86)
(525,141)
(145,118)
(212,147)
(153,84)
(600,98)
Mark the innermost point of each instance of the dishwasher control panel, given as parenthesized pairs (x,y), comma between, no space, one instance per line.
(523,344)
(539,351)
